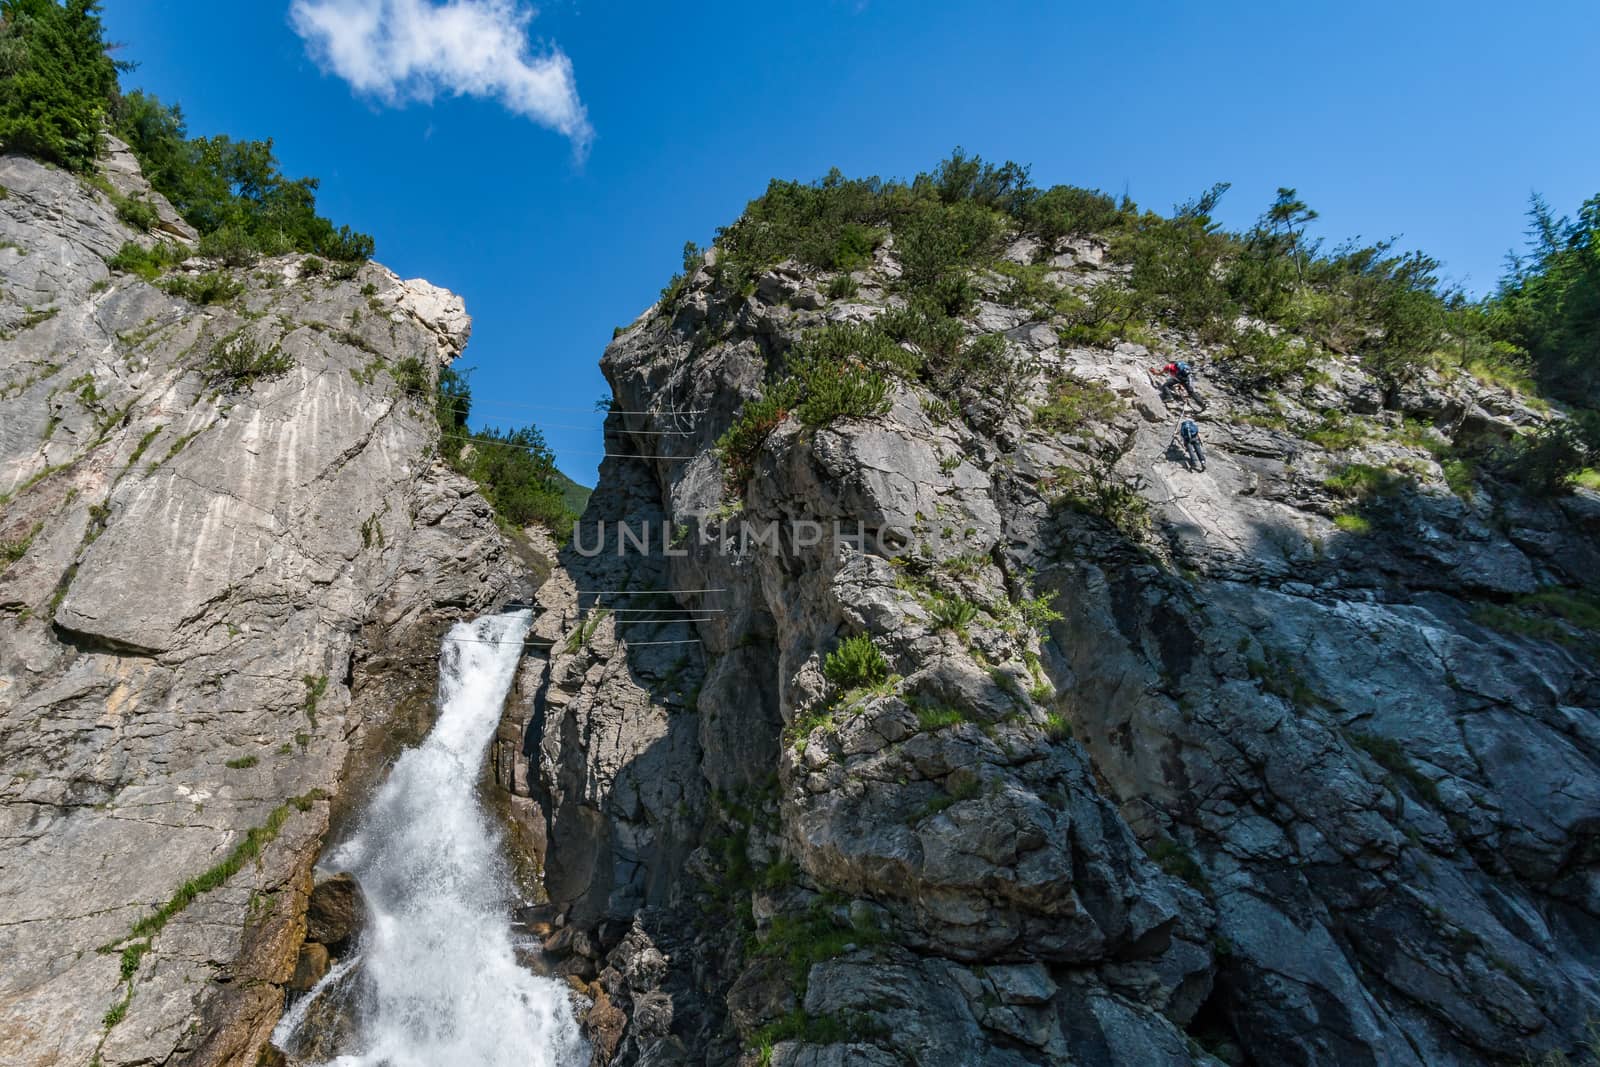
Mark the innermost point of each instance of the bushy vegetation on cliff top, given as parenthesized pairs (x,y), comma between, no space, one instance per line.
(58,94)
(1271,301)
(59,91)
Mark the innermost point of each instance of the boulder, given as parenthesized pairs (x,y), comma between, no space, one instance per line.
(336,913)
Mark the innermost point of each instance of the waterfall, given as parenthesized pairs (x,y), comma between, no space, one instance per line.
(440,983)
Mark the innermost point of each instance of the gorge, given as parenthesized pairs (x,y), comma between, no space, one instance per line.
(1086,755)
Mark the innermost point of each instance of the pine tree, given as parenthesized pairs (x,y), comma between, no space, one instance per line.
(56,80)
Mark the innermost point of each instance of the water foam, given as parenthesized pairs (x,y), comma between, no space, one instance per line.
(440,982)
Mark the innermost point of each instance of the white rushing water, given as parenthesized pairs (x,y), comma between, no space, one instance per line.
(440,983)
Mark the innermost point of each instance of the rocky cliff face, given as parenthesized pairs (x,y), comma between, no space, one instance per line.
(1290,760)
(1274,763)
(228,556)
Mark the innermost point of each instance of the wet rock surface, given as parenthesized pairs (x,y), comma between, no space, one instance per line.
(336,912)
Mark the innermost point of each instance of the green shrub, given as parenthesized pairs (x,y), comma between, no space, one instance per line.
(30,318)
(1262,358)
(1567,616)
(945,360)
(1099,490)
(838,372)
(238,361)
(1546,462)
(1037,614)
(56,81)
(453,400)
(131,957)
(118,1011)
(939,337)
(517,472)
(1075,401)
(140,214)
(232,247)
(11,551)
(586,628)
(739,444)
(843,287)
(856,663)
(1338,432)
(943,222)
(311,266)
(693,256)
(245,851)
(1031,287)
(983,359)
(965,787)
(147,263)
(831,224)
(316,685)
(798,1026)
(1360,481)
(230,188)
(952,613)
(840,391)
(1175,275)
(213,287)
(1462,478)
(514,469)
(804,724)
(961,178)
(144,443)
(1493,362)
(808,938)
(1388,754)
(58,88)
(1546,304)
(1581,608)
(1066,210)
(937,243)
(850,343)
(854,247)
(1177,861)
(411,376)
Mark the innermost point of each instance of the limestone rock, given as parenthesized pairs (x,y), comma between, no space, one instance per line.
(229,603)
(1247,781)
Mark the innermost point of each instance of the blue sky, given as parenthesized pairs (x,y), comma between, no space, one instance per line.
(558,199)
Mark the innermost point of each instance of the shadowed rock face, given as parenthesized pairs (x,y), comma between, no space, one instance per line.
(1265,787)
(229,589)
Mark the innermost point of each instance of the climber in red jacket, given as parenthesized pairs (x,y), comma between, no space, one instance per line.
(1177,375)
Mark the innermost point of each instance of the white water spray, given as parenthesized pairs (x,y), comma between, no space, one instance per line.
(441,984)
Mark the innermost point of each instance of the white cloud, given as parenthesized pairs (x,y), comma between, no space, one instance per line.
(399,50)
